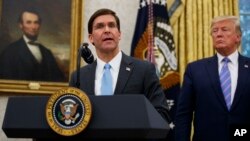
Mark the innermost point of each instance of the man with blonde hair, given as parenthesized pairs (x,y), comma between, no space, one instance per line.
(215,94)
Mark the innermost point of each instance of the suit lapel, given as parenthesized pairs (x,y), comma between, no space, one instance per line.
(243,70)
(25,54)
(212,69)
(90,74)
(126,69)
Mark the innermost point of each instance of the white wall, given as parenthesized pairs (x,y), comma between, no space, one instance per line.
(126,11)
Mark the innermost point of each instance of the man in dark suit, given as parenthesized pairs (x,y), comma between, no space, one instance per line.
(215,93)
(128,75)
(26,59)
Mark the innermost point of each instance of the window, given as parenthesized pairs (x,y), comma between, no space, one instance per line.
(244,6)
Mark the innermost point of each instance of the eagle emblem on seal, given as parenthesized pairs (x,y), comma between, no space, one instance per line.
(68,109)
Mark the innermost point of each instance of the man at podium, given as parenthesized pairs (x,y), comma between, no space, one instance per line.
(113,72)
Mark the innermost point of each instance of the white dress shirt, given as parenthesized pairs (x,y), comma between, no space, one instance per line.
(115,67)
(233,68)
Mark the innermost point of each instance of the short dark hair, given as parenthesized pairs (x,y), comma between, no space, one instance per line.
(101,12)
(31,10)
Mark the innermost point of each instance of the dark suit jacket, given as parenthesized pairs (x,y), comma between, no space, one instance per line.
(201,93)
(18,63)
(140,79)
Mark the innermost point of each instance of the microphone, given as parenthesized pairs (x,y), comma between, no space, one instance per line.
(86,53)
(88,57)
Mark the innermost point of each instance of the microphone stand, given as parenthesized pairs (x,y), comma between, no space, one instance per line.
(86,54)
(78,68)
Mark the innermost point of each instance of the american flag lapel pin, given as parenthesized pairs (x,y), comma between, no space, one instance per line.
(128,69)
(246,66)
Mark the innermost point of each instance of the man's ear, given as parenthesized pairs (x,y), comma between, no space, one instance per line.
(91,39)
(238,38)
(120,35)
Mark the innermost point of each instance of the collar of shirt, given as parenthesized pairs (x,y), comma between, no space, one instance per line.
(233,58)
(27,40)
(115,63)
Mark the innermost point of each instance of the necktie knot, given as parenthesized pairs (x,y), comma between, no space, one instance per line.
(34,43)
(226,60)
(107,66)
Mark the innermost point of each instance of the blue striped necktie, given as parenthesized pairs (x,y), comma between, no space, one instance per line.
(225,81)
(106,86)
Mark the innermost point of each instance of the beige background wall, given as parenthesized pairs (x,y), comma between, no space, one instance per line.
(126,10)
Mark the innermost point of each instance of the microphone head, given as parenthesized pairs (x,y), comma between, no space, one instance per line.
(86,53)
(84,45)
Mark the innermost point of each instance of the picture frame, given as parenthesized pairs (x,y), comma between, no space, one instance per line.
(75,32)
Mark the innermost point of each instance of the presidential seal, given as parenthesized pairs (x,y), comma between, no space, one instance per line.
(68,111)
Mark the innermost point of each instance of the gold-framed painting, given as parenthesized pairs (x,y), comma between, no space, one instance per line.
(60,33)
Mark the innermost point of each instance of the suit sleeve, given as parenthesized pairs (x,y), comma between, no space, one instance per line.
(72,81)
(184,113)
(155,94)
